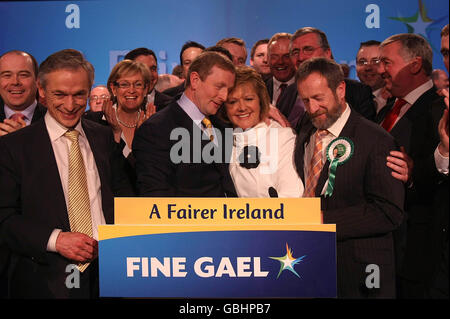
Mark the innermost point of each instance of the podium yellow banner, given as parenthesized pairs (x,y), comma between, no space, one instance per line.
(216,211)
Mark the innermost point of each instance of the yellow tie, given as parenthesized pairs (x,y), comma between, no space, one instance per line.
(207,124)
(315,166)
(79,204)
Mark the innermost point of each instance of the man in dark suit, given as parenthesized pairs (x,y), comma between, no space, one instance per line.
(310,42)
(148,57)
(413,121)
(362,199)
(173,148)
(18,108)
(281,68)
(18,72)
(57,180)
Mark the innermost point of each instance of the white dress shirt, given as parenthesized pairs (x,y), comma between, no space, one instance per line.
(276,169)
(333,132)
(61,146)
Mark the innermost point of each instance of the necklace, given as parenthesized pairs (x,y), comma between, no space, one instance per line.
(128,125)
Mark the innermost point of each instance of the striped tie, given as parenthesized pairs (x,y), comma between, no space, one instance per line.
(316,165)
(79,204)
(207,124)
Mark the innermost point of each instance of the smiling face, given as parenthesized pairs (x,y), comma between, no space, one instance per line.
(394,69)
(209,94)
(279,60)
(17,81)
(66,94)
(368,73)
(243,106)
(322,104)
(130,91)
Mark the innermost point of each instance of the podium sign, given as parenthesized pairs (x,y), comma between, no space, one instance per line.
(272,258)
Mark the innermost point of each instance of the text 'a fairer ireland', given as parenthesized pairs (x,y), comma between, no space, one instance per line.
(246,212)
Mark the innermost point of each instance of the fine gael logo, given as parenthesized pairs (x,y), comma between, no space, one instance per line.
(420,22)
(288,262)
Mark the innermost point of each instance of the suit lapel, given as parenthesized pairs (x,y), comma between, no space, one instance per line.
(41,149)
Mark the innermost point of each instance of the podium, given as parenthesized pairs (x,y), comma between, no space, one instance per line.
(217,248)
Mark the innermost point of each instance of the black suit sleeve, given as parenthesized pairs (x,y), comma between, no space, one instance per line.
(154,169)
(15,228)
(382,208)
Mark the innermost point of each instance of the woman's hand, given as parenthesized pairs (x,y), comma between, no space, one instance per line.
(111,118)
(149,111)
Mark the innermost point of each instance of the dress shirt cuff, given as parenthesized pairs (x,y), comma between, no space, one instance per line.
(441,162)
(51,244)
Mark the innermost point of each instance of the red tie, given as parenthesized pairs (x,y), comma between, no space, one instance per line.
(392,115)
(282,88)
(17,116)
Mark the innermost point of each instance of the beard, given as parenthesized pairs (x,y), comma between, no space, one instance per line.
(331,116)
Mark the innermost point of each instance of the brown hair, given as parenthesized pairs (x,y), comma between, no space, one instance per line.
(323,66)
(129,67)
(205,62)
(65,59)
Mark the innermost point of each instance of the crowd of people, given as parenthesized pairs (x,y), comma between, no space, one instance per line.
(290,124)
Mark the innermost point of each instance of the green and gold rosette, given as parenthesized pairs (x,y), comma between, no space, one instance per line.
(339,151)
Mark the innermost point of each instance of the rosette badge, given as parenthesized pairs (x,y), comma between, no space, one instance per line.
(339,151)
(250,157)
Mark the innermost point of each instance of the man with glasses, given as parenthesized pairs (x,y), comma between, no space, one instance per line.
(367,64)
(98,95)
(307,43)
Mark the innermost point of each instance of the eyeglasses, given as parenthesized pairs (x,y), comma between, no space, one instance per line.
(365,62)
(94,98)
(308,50)
(126,85)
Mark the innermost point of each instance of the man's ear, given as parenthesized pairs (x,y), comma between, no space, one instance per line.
(415,65)
(340,91)
(195,79)
(41,89)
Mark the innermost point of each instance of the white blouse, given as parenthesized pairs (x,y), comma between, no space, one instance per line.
(276,168)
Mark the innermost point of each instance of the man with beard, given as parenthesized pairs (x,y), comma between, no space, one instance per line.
(357,190)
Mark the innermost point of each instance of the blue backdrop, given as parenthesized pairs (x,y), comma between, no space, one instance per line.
(104,30)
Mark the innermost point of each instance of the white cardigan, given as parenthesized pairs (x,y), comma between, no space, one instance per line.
(276,169)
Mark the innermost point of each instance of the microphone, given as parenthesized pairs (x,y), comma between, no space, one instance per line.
(273,192)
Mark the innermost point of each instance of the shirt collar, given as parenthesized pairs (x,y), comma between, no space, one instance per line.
(28,112)
(56,130)
(277,83)
(337,126)
(191,109)
(414,95)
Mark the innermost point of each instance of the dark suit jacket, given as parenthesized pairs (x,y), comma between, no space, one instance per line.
(427,199)
(176,91)
(159,176)
(162,100)
(366,206)
(359,96)
(32,204)
(39,112)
